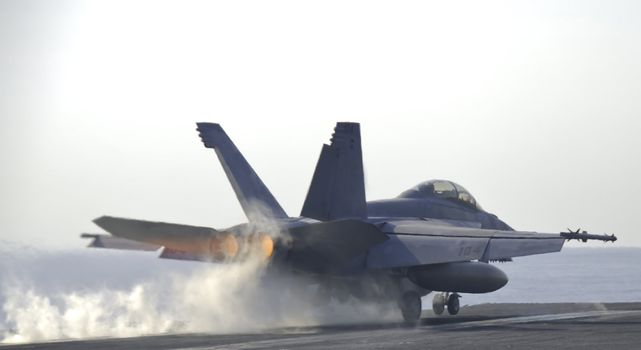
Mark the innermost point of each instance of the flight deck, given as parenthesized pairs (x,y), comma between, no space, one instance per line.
(487,326)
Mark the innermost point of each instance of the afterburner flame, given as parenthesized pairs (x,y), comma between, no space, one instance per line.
(261,244)
(266,245)
(224,246)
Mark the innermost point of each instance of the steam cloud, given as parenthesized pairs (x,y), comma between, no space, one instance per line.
(208,298)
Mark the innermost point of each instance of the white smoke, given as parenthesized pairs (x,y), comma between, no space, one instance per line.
(80,315)
(210,298)
(213,299)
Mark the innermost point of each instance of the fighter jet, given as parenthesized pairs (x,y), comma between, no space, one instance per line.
(433,237)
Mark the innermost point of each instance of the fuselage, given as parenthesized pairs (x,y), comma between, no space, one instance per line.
(434,208)
(436,199)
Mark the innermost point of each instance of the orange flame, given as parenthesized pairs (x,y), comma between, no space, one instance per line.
(261,244)
(266,245)
(224,246)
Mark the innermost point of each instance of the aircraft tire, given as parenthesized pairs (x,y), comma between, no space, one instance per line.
(411,307)
(453,304)
(438,303)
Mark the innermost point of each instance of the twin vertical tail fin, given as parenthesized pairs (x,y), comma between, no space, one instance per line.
(254,197)
(337,190)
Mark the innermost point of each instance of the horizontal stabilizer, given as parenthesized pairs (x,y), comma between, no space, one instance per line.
(168,253)
(322,246)
(111,242)
(193,239)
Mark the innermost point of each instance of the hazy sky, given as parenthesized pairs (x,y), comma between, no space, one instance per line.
(535,107)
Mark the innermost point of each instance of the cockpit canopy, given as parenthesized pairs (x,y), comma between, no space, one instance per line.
(442,189)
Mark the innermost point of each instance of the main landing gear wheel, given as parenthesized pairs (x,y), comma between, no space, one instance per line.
(438,303)
(441,300)
(453,304)
(411,307)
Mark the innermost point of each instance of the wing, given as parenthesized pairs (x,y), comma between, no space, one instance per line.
(418,242)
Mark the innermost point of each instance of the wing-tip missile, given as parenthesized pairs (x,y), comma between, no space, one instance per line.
(584,236)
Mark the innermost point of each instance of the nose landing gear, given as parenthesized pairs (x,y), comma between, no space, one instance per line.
(451,300)
(453,304)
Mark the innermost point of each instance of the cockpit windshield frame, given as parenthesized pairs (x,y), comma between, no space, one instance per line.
(442,189)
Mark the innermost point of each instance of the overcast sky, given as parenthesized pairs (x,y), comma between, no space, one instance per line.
(534,107)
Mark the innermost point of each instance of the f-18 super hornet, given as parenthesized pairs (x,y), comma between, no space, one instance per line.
(433,237)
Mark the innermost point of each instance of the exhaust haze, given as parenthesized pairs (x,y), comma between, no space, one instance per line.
(49,295)
(93,293)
